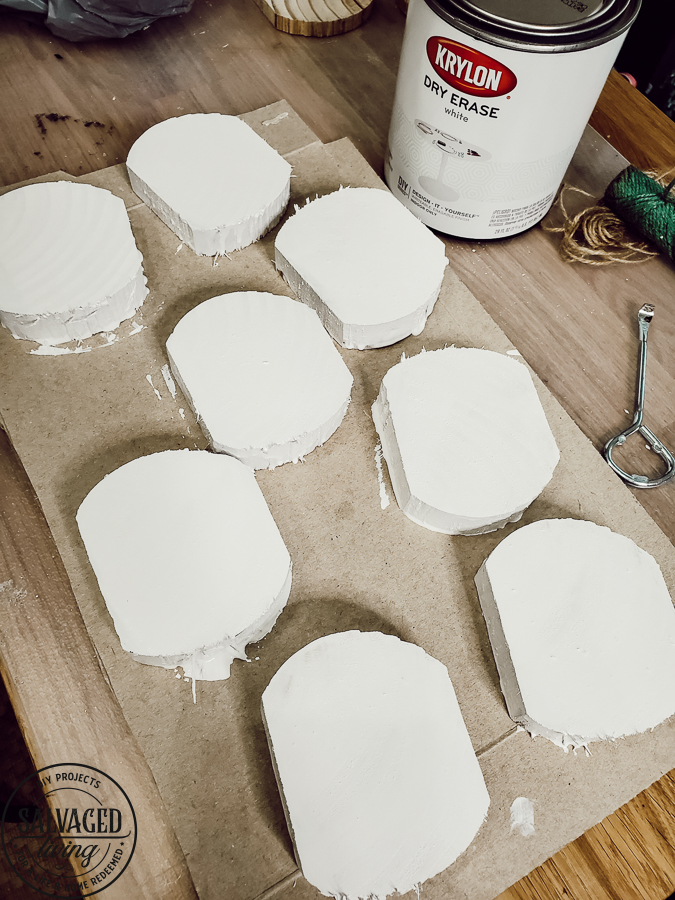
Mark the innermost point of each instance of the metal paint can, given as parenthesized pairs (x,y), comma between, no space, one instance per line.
(492,98)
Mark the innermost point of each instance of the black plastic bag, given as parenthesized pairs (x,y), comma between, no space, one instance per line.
(89,20)
(31,6)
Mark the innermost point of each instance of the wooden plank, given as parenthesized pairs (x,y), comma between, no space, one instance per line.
(619,108)
(63,701)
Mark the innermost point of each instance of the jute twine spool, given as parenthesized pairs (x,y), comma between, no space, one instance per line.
(636,206)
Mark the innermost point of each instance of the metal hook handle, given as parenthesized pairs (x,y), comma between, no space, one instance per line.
(645,316)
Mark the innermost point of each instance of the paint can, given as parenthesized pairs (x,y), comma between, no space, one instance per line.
(492,98)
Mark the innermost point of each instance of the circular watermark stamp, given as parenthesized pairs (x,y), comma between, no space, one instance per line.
(75,836)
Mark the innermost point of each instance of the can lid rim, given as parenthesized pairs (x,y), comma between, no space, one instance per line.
(608,19)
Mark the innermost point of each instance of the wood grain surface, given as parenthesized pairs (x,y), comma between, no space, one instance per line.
(78,107)
(640,131)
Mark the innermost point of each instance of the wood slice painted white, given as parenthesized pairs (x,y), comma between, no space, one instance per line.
(188,558)
(380,782)
(466,440)
(262,375)
(369,268)
(69,264)
(582,629)
(211,179)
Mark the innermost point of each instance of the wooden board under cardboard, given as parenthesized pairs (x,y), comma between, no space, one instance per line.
(75,417)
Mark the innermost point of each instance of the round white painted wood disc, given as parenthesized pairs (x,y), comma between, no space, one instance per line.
(216,183)
(379,779)
(583,631)
(188,558)
(69,265)
(466,440)
(370,268)
(264,378)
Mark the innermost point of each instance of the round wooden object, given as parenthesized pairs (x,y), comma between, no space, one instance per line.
(316,18)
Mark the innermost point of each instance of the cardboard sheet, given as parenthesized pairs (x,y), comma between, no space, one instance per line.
(75,417)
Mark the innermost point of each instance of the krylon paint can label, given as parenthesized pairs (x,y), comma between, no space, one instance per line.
(489,110)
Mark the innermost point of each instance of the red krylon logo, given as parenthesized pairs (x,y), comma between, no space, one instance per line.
(469,70)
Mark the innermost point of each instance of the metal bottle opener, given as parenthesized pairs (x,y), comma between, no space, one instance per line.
(645,316)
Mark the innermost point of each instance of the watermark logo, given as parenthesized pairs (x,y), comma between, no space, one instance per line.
(75,838)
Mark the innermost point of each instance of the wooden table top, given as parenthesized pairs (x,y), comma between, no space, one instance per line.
(79,107)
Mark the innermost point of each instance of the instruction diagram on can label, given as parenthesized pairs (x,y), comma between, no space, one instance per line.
(442,175)
(450,147)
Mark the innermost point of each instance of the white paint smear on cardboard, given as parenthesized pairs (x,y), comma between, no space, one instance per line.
(50,350)
(170,383)
(522,816)
(148,378)
(276,119)
(384,497)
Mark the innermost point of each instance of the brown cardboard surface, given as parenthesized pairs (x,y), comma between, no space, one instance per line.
(73,418)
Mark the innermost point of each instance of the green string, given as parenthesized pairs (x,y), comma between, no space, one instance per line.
(645,205)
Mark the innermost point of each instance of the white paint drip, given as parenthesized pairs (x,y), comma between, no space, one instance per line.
(148,378)
(182,412)
(522,816)
(512,353)
(170,383)
(51,350)
(135,328)
(48,350)
(276,119)
(384,497)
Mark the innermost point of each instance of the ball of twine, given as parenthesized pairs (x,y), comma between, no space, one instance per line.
(633,222)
